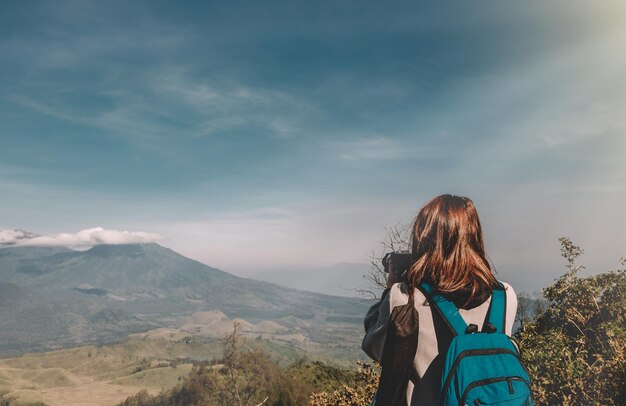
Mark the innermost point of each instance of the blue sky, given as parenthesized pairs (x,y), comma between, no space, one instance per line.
(262,135)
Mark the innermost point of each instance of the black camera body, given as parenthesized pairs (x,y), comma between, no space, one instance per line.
(399,263)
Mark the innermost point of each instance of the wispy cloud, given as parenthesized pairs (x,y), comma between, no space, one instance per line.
(166,104)
(230,104)
(83,238)
(371,148)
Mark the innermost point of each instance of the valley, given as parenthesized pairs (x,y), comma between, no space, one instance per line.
(94,327)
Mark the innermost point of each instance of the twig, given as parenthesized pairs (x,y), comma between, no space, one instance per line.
(263,401)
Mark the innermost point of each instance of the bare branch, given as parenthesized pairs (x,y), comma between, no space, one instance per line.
(397,238)
(265,400)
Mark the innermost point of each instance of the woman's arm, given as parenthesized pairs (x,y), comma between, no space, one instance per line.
(377,318)
(376,321)
(376,327)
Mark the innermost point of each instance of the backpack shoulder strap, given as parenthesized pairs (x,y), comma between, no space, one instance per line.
(447,309)
(497,309)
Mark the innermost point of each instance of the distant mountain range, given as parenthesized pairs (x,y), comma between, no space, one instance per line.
(342,279)
(52,297)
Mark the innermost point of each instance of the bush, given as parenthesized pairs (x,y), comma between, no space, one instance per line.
(246,378)
(574,350)
(360,394)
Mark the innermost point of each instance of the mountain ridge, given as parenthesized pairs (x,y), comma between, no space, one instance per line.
(68,297)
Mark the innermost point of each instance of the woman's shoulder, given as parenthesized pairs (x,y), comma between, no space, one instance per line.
(511,307)
(510,292)
(399,293)
(507,285)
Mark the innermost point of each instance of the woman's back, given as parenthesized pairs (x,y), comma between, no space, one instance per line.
(434,338)
(448,252)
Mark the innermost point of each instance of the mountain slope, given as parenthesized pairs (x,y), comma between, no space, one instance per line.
(67,297)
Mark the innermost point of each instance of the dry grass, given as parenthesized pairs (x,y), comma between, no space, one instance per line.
(90,375)
(155,360)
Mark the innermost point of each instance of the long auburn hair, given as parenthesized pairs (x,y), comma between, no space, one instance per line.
(448,250)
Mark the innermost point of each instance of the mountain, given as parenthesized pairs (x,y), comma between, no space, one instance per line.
(64,297)
(342,279)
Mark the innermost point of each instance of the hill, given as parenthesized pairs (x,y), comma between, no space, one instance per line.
(61,297)
(154,361)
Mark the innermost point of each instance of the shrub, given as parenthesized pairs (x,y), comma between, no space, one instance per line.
(574,350)
(361,394)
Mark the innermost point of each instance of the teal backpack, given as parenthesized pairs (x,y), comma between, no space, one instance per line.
(481,368)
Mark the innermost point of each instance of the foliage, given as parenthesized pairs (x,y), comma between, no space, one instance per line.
(360,394)
(250,378)
(319,377)
(574,350)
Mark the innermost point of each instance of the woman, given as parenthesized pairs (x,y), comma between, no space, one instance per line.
(448,252)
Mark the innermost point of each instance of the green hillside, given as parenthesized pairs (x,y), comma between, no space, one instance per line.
(107,374)
(58,298)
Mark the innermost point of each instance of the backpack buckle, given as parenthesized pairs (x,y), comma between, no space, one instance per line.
(489,328)
(471,329)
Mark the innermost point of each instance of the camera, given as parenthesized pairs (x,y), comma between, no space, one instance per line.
(400,263)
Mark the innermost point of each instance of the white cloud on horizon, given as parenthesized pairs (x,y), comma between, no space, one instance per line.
(84,238)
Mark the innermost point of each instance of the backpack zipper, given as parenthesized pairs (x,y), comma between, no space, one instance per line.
(489,381)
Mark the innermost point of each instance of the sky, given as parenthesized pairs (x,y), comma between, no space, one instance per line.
(255,136)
